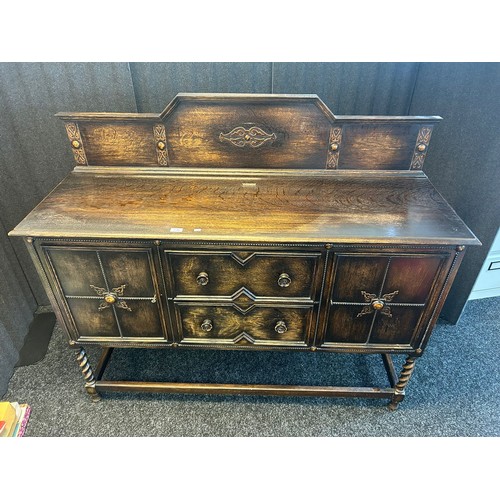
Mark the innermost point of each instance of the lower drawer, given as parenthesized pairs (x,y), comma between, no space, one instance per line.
(261,325)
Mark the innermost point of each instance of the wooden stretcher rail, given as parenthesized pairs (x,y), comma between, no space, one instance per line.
(261,390)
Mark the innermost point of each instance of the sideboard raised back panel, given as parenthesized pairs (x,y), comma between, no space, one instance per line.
(249,131)
(247,222)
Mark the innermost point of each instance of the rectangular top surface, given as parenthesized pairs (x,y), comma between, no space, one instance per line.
(252,206)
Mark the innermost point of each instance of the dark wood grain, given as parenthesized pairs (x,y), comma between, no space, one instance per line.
(241,238)
(377,146)
(263,390)
(200,132)
(301,135)
(399,328)
(91,323)
(248,328)
(258,273)
(119,143)
(320,207)
(81,274)
(344,325)
(354,273)
(411,281)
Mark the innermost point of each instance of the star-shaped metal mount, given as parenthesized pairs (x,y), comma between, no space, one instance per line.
(111,297)
(377,303)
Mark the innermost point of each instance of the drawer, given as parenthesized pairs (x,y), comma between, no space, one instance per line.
(106,292)
(261,274)
(259,325)
(383,299)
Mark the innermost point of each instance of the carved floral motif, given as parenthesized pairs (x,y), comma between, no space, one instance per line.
(254,137)
(377,303)
(423,139)
(332,161)
(111,297)
(161,143)
(76,143)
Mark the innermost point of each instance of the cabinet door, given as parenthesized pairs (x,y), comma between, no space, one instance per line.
(382,299)
(107,293)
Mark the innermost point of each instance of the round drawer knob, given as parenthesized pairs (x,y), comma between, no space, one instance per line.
(160,145)
(421,147)
(284,280)
(207,325)
(202,278)
(378,304)
(280,327)
(110,298)
(75,144)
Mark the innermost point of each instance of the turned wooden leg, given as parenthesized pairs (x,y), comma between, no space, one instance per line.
(404,377)
(88,375)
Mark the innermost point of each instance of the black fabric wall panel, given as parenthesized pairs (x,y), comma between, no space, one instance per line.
(351,88)
(156,84)
(17,305)
(34,153)
(464,156)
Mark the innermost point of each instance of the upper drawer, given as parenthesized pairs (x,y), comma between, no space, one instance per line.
(262,274)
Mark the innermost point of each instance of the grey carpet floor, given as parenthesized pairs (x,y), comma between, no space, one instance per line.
(454,391)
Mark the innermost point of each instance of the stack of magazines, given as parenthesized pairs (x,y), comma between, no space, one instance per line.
(13,418)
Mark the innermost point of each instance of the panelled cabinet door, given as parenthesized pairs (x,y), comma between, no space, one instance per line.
(107,293)
(383,299)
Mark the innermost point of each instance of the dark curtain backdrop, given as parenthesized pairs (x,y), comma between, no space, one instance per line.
(34,155)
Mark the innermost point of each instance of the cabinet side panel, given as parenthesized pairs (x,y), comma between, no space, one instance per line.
(46,276)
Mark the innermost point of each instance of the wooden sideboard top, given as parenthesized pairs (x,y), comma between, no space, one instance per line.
(247,206)
(248,168)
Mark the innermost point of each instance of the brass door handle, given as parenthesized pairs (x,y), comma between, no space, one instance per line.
(377,303)
(202,278)
(110,298)
(207,325)
(284,280)
(280,327)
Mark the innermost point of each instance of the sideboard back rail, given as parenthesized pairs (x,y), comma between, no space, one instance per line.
(267,131)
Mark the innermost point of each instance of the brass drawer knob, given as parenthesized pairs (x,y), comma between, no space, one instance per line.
(378,304)
(280,327)
(110,298)
(284,280)
(207,325)
(421,147)
(202,278)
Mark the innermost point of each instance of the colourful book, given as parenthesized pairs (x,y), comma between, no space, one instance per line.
(9,413)
(20,428)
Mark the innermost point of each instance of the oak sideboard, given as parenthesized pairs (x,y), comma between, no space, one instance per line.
(247,221)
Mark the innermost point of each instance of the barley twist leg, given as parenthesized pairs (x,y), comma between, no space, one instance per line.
(404,377)
(88,375)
